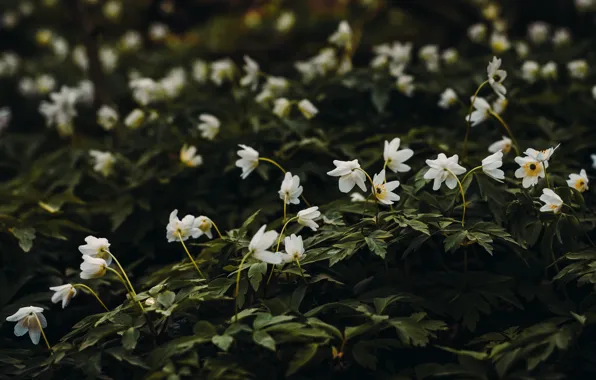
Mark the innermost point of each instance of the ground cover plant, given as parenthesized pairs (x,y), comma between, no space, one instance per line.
(289,190)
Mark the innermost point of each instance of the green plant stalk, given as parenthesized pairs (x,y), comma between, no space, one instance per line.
(496,116)
(278,244)
(190,256)
(93,293)
(43,334)
(237,291)
(469,122)
(463,197)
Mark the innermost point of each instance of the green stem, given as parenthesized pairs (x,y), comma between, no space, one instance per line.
(45,338)
(278,244)
(470,172)
(545,175)
(301,271)
(285,207)
(189,255)
(463,196)
(496,116)
(238,283)
(273,162)
(92,292)
(469,123)
(216,229)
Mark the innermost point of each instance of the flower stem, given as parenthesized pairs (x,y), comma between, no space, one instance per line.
(45,338)
(216,229)
(189,255)
(301,271)
(132,289)
(385,166)
(496,116)
(470,172)
(283,171)
(285,207)
(92,292)
(238,283)
(469,124)
(546,175)
(463,196)
(278,244)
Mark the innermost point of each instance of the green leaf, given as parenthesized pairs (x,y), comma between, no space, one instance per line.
(129,339)
(376,245)
(223,341)
(255,274)
(301,358)
(166,299)
(260,337)
(25,237)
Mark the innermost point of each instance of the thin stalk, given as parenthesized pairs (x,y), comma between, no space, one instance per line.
(545,175)
(463,196)
(301,271)
(189,255)
(468,124)
(238,284)
(496,116)
(45,338)
(470,172)
(93,293)
(278,244)
(285,207)
(216,229)
(385,166)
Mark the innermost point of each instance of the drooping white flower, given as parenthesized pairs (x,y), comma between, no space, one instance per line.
(222,70)
(496,76)
(204,225)
(189,156)
(61,111)
(357,197)
(561,37)
(541,155)
(251,79)
(552,202)
(294,249)
(384,190)
(103,162)
(549,70)
(482,110)
(181,230)
(342,36)
(450,56)
(96,247)
(444,169)
(491,165)
(579,181)
(522,49)
(307,217)
(500,105)
(107,117)
(349,174)
(260,244)
(477,32)
(503,145)
(530,71)
(285,22)
(395,158)
(538,32)
(29,320)
(405,85)
(578,69)
(93,267)
(249,160)
(145,90)
(63,293)
(209,127)
(290,190)
(530,171)
(307,108)
(134,119)
(282,107)
(448,98)
(200,71)
(499,43)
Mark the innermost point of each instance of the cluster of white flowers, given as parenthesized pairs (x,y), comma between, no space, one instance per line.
(189,227)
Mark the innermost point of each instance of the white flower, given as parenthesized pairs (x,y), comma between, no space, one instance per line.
(349,174)
(63,293)
(131,41)
(538,32)
(343,36)
(395,158)
(108,58)
(496,76)
(60,47)
(112,10)
(357,197)
(181,230)
(28,320)
(294,249)
(500,25)
(96,247)
(290,190)
(260,244)
(491,165)
(549,70)
(145,90)
(503,145)
(93,267)
(561,37)
(282,107)
(530,170)
(405,85)
(491,11)
(499,105)
(61,110)
(9,64)
(285,21)
(481,112)
(189,156)
(579,181)
(530,70)
(541,155)
(477,32)
(251,79)
(107,117)
(448,98)
(134,119)
(444,169)
(5,117)
(584,5)
(158,31)
(249,160)
(325,61)
(552,202)
(522,49)
(450,56)
(173,83)
(27,86)
(307,217)
(578,69)
(499,43)
(103,162)
(85,92)
(200,71)
(222,70)
(79,57)
(204,225)
(384,190)
(209,127)
(307,108)
(429,53)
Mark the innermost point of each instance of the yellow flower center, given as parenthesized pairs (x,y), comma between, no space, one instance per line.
(380,191)
(580,185)
(532,169)
(506,148)
(205,225)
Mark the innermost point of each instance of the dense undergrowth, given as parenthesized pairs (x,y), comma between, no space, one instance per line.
(448,274)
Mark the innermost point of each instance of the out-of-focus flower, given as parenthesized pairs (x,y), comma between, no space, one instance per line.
(251,79)
(405,85)
(477,32)
(112,10)
(145,90)
(158,31)
(189,156)
(499,43)
(522,49)
(342,36)
(61,110)
(222,70)
(107,117)
(285,22)
(134,119)
(549,70)
(503,145)
(450,56)
(530,71)
(448,98)
(578,69)
(552,202)
(209,126)
(482,110)
(538,32)
(103,162)
(200,71)
(282,107)
(561,37)
(491,165)
(579,181)
(307,108)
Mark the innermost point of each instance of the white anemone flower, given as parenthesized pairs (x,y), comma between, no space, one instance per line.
(405,85)
(96,247)
(63,293)
(496,76)
(103,162)
(181,230)
(343,36)
(579,181)
(349,174)
(541,155)
(552,202)
(448,98)
(578,69)
(538,32)
(307,108)
(61,111)
(134,119)
(249,160)
(204,224)
(307,217)
(522,49)
(491,165)
(499,43)
(549,70)
(561,37)
(222,70)
(503,145)
(530,71)
(145,90)
(200,71)
(530,171)
(294,249)
(290,190)
(260,244)
(189,156)
(209,127)
(482,110)
(29,320)
(282,107)
(477,32)
(251,79)
(444,169)
(107,117)
(357,197)
(395,158)
(93,267)
(384,190)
